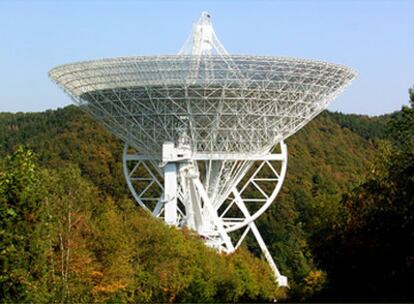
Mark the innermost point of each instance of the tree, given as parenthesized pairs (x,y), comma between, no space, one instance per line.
(374,247)
(22,252)
(70,202)
(63,240)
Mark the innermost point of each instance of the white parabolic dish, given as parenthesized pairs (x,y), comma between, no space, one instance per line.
(225,103)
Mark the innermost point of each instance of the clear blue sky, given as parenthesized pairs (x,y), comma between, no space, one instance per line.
(374,37)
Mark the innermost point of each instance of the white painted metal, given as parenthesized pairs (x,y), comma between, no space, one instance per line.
(203,39)
(212,220)
(200,126)
(281,279)
(170,183)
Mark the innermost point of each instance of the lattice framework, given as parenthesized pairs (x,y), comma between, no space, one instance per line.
(232,104)
(200,128)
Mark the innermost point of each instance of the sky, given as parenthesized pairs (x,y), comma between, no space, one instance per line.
(373,37)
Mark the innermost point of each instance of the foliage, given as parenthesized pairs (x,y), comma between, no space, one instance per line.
(67,136)
(21,249)
(365,126)
(65,241)
(374,247)
(85,240)
(325,160)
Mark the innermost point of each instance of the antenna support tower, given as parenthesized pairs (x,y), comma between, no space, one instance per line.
(204,130)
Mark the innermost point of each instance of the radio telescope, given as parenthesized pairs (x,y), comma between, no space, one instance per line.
(204,130)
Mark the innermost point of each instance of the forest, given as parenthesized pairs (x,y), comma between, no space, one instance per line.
(342,230)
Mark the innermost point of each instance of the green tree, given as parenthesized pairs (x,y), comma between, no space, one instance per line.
(327,157)
(374,247)
(70,202)
(22,252)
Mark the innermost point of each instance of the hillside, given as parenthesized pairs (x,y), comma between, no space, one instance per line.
(63,240)
(327,147)
(327,158)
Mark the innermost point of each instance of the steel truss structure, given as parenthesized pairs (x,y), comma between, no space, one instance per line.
(200,128)
(177,190)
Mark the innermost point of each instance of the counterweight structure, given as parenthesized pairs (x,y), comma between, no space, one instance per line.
(204,129)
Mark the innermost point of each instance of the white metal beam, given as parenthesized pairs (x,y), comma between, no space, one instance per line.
(282,280)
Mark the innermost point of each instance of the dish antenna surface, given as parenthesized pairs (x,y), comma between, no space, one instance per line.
(201,128)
